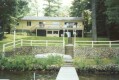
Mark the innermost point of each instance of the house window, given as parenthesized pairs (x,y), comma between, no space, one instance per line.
(28,23)
(55,23)
(41,24)
(70,24)
(55,32)
(49,32)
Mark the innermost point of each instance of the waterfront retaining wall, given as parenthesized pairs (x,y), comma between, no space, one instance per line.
(101,52)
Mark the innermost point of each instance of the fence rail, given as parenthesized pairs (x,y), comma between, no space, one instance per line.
(96,43)
(46,43)
(21,42)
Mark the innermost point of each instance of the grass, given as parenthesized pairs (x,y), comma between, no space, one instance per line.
(97,64)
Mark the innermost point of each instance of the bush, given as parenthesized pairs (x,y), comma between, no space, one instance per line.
(116,60)
(30,63)
(97,64)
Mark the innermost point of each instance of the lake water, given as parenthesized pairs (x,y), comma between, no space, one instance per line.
(52,76)
(28,75)
(99,77)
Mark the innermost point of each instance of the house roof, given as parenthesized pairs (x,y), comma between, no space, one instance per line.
(50,18)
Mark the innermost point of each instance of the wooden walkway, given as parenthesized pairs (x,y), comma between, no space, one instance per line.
(67,73)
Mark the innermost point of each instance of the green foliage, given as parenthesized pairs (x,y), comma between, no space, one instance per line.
(79,6)
(0,56)
(30,63)
(52,8)
(97,64)
(82,8)
(11,11)
(80,63)
(101,18)
(116,60)
(98,61)
(112,11)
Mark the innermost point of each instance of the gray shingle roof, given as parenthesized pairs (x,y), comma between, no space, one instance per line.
(50,18)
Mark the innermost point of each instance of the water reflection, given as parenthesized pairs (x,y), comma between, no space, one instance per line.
(99,77)
(28,75)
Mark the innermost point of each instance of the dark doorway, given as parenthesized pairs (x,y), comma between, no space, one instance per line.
(60,33)
(41,32)
(79,33)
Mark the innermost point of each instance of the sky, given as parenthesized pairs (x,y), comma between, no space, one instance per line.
(64,2)
(67,2)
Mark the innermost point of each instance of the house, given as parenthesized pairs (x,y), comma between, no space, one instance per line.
(52,26)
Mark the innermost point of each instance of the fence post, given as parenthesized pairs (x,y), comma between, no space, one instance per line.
(46,43)
(63,44)
(110,44)
(31,42)
(21,42)
(92,44)
(74,44)
(3,54)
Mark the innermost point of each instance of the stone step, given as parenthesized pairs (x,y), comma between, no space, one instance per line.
(68,61)
(68,65)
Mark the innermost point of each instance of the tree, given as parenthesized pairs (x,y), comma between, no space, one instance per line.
(87,21)
(52,7)
(79,6)
(94,30)
(11,11)
(64,11)
(112,12)
(35,8)
(102,29)
(82,7)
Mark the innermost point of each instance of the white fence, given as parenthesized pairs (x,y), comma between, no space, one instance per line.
(20,43)
(11,45)
(46,43)
(96,43)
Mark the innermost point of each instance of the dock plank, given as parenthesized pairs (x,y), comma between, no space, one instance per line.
(67,73)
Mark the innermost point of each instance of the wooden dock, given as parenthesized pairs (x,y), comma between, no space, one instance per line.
(67,73)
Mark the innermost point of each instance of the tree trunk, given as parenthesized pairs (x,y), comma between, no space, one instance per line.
(94,30)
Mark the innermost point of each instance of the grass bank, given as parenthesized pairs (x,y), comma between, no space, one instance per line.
(97,65)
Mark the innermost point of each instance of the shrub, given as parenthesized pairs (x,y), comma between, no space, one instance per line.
(98,61)
(116,60)
(80,63)
(97,64)
(30,62)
